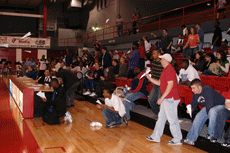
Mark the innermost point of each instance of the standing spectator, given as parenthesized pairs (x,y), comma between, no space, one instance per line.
(71,82)
(220,5)
(222,61)
(24,68)
(186,50)
(113,109)
(30,73)
(80,68)
(193,41)
(134,58)
(224,45)
(166,40)
(199,64)
(119,23)
(217,37)
(179,44)
(158,44)
(97,45)
(89,60)
(116,56)
(187,73)
(43,64)
(123,72)
(115,64)
(147,45)
(221,120)
(98,55)
(212,102)
(57,102)
(142,54)
(200,32)
(138,90)
(134,24)
(183,27)
(155,93)
(168,102)
(106,59)
(68,58)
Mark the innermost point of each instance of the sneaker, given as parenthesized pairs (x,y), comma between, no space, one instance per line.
(111,125)
(151,139)
(125,120)
(68,117)
(174,143)
(186,141)
(208,136)
(87,93)
(213,140)
(225,144)
(92,94)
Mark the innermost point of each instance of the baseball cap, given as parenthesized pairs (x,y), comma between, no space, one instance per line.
(167,57)
(224,40)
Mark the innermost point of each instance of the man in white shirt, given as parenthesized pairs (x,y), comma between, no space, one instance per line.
(119,23)
(116,56)
(187,73)
(113,109)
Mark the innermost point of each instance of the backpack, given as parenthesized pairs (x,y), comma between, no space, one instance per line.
(119,92)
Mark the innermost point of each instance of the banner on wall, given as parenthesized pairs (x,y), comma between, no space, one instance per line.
(17,42)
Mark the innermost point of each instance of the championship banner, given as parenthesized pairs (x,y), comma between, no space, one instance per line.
(18,42)
(40,43)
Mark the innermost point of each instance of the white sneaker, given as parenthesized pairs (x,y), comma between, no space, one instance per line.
(92,94)
(87,93)
(68,117)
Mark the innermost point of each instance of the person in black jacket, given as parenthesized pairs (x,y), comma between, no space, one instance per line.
(46,78)
(71,82)
(56,106)
(30,73)
(106,60)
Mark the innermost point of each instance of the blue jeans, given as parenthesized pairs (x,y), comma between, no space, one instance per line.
(168,111)
(200,120)
(221,119)
(154,95)
(129,100)
(208,72)
(120,30)
(90,84)
(200,46)
(186,52)
(105,72)
(215,48)
(193,50)
(111,117)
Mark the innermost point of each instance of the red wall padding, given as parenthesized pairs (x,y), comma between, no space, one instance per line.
(34,53)
(9,55)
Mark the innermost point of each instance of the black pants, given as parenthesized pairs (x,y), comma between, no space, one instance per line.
(142,63)
(134,27)
(71,93)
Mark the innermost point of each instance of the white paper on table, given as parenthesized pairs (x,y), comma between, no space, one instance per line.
(146,72)
(98,101)
(41,94)
(189,108)
(26,35)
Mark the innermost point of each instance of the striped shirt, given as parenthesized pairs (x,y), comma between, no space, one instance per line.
(156,69)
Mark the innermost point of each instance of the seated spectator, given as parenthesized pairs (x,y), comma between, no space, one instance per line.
(88,58)
(212,103)
(92,80)
(56,106)
(179,45)
(105,82)
(30,73)
(24,68)
(147,61)
(113,109)
(46,78)
(123,72)
(142,54)
(193,41)
(116,56)
(211,67)
(174,65)
(115,64)
(147,45)
(199,64)
(209,58)
(138,90)
(57,64)
(187,73)
(155,93)
(111,54)
(222,61)
(80,69)
(222,116)
(224,46)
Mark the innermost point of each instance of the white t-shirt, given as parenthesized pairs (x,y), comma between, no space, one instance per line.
(189,74)
(116,56)
(57,66)
(83,71)
(147,47)
(116,103)
(43,65)
(119,21)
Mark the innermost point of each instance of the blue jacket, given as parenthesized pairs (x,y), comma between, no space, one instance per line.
(32,75)
(68,60)
(207,98)
(133,59)
(139,85)
(201,34)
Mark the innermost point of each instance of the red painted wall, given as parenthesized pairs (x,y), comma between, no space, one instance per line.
(34,53)
(9,55)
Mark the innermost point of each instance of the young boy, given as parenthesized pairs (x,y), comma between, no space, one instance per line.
(113,109)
